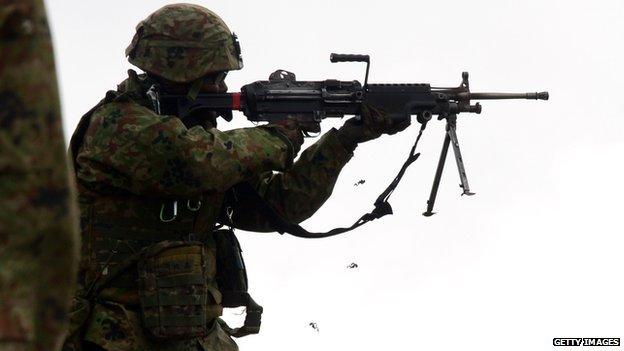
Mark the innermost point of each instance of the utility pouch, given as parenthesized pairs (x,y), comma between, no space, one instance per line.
(231,271)
(232,281)
(174,290)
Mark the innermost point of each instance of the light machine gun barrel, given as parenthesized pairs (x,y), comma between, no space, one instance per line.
(503,96)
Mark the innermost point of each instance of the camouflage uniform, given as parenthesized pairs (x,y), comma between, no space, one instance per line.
(38,227)
(133,163)
(133,160)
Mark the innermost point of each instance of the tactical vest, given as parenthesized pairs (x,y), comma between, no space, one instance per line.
(162,255)
(116,228)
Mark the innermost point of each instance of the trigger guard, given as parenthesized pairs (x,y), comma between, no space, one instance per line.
(311,135)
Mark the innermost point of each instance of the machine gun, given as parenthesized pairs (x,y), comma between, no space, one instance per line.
(283,96)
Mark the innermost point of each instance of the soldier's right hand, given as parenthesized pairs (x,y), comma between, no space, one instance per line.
(294,129)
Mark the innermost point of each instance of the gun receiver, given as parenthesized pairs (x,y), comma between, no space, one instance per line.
(283,96)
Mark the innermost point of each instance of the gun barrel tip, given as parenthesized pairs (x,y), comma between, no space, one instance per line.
(543,95)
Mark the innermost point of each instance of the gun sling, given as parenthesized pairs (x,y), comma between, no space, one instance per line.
(283,225)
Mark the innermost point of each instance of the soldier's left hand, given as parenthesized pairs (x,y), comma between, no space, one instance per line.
(372,123)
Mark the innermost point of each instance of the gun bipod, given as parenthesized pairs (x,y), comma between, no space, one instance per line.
(450,137)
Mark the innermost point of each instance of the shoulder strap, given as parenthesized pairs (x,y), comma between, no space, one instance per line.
(282,225)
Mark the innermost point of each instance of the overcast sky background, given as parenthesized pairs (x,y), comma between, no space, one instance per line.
(536,254)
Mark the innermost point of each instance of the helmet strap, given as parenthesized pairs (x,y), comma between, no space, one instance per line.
(195,87)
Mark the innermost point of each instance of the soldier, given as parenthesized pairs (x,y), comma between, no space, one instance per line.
(153,189)
(38,223)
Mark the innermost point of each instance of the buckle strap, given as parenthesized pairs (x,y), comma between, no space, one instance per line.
(180,280)
(162,299)
(253,317)
(181,320)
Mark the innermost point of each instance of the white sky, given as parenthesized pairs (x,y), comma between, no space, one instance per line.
(536,254)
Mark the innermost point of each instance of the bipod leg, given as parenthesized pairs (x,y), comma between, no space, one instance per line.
(458,158)
(438,176)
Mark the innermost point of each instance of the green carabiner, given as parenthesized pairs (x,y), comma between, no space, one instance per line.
(162,212)
(193,208)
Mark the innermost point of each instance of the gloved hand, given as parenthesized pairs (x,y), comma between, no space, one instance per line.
(294,129)
(372,123)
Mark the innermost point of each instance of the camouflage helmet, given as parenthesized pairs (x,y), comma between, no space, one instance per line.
(184,42)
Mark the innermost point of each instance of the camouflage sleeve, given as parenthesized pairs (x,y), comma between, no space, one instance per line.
(38,223)
(301,190)
(129,147)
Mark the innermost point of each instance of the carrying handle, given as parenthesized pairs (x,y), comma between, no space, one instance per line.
(353,58)
(348,58)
